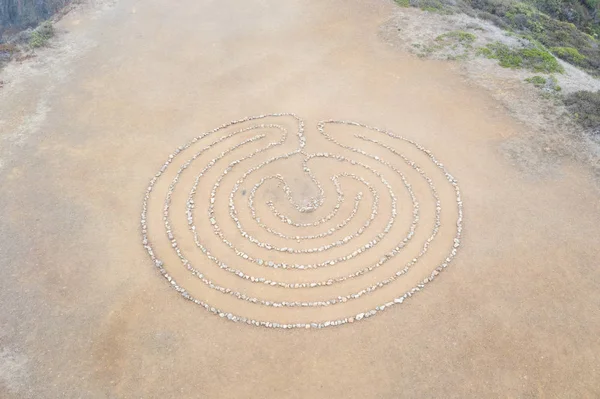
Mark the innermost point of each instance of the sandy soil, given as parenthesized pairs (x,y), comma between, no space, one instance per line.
(86,124)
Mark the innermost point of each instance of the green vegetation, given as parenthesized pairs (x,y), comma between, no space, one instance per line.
(41,35)
(534,58)
(457,36)
(549,84)
(528,14)
(436,6)
(581,13)
(403,3)
(537,81)
(585,107)
(573,39)
(570,28)
(569,54)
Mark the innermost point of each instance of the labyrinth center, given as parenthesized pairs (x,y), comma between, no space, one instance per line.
(271,222)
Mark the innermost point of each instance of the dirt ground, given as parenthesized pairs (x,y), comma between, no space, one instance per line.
(85,125)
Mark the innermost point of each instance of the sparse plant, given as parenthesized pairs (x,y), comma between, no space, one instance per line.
(549,85)
(552,84)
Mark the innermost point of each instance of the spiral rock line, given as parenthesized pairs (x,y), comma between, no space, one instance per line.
(246,161)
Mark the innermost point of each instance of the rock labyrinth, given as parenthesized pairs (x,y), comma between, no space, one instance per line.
(244,221)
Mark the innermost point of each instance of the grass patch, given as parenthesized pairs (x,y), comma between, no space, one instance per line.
(585,107)
(41,35)
(533,58)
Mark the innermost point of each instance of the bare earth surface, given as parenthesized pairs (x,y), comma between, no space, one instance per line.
(85,125)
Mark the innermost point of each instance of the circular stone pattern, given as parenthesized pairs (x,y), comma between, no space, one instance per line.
(262,223)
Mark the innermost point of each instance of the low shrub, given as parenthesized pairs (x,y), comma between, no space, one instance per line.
(539,60)
(435,6)
(556,26)
(41,35)
(585,107)
(569,54)
(496,20)
(537,81)
(533,58)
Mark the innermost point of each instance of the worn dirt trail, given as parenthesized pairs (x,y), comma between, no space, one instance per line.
(86,315)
